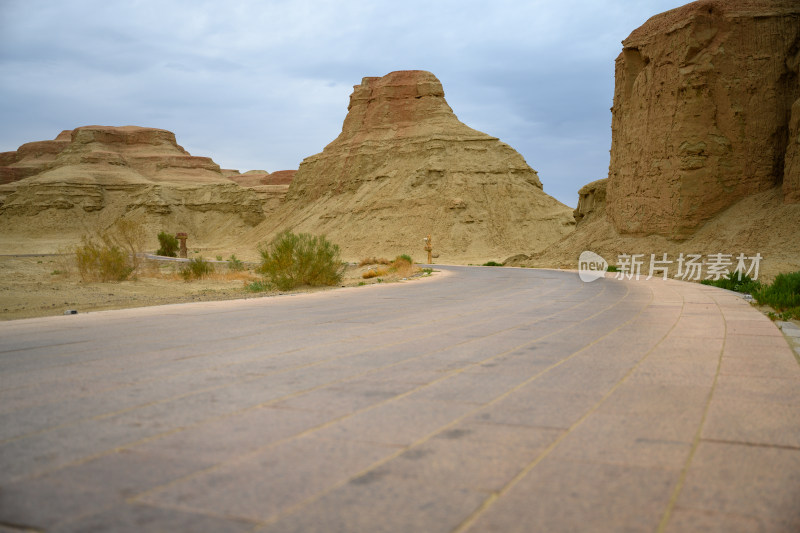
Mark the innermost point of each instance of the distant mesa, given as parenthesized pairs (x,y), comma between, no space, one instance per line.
(404,167)
(107,154)
(706,112)
(89,177)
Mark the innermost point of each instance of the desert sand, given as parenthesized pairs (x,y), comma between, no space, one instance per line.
(44,285)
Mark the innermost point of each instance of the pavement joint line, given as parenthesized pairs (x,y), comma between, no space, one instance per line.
(752,444)
(676,492)
(426,438)
(495,495)
(276,400)
(349,415)
(260,376)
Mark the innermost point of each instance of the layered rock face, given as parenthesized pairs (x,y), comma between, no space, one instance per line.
(404,166)
(89,177)
(705,113)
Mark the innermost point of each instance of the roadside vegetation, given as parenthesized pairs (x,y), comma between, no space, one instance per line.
(782,295)
(291,260)
(196,268)
(402,267)
(167,245)
(111,255)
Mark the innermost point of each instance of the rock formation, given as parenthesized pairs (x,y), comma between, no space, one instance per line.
(705,155)
(87,178)
(591,201)
(404,166)
(705,113)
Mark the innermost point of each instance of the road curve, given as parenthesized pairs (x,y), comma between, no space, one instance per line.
(490,399)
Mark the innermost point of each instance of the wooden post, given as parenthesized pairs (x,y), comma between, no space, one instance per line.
(429,249)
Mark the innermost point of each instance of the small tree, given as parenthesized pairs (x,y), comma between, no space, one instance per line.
(168,244)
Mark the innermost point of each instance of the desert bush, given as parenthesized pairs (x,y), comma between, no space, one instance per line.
(403,266)
(235,264)
(168,245)
(492,264)
(292,260)
(196,268)
(257,286)
(102,261)
(129,236)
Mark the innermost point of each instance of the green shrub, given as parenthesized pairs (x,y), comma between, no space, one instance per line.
(196,268)
(257,286)
(292,260)
(168,244)
(492,264)
(235,264)
(735,281)
(612,268)
(782,295)
(404,257)
(102,262)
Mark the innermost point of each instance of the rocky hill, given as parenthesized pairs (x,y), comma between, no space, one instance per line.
(404,167)
(87,178)
(705,154)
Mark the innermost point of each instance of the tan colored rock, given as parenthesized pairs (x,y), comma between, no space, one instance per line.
(404,167)
(591,201)
(701,113)
(92,176)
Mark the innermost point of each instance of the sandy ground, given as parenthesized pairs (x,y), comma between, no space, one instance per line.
(46,285)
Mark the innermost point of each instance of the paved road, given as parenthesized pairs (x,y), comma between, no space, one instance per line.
(487,400)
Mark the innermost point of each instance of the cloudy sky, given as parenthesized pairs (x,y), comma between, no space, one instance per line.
(264,84)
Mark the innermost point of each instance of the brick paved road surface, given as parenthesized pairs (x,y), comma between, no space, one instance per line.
(486,400)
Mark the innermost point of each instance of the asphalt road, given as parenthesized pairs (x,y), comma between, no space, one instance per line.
(484,399)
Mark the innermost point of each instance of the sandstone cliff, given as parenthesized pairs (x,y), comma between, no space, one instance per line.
(702,114)
(403,167)
(88,178)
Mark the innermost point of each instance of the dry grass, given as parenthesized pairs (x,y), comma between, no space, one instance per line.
(374,261)
(403,268)
(374,273)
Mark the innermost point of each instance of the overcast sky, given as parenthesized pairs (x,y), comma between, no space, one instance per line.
(264,84)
